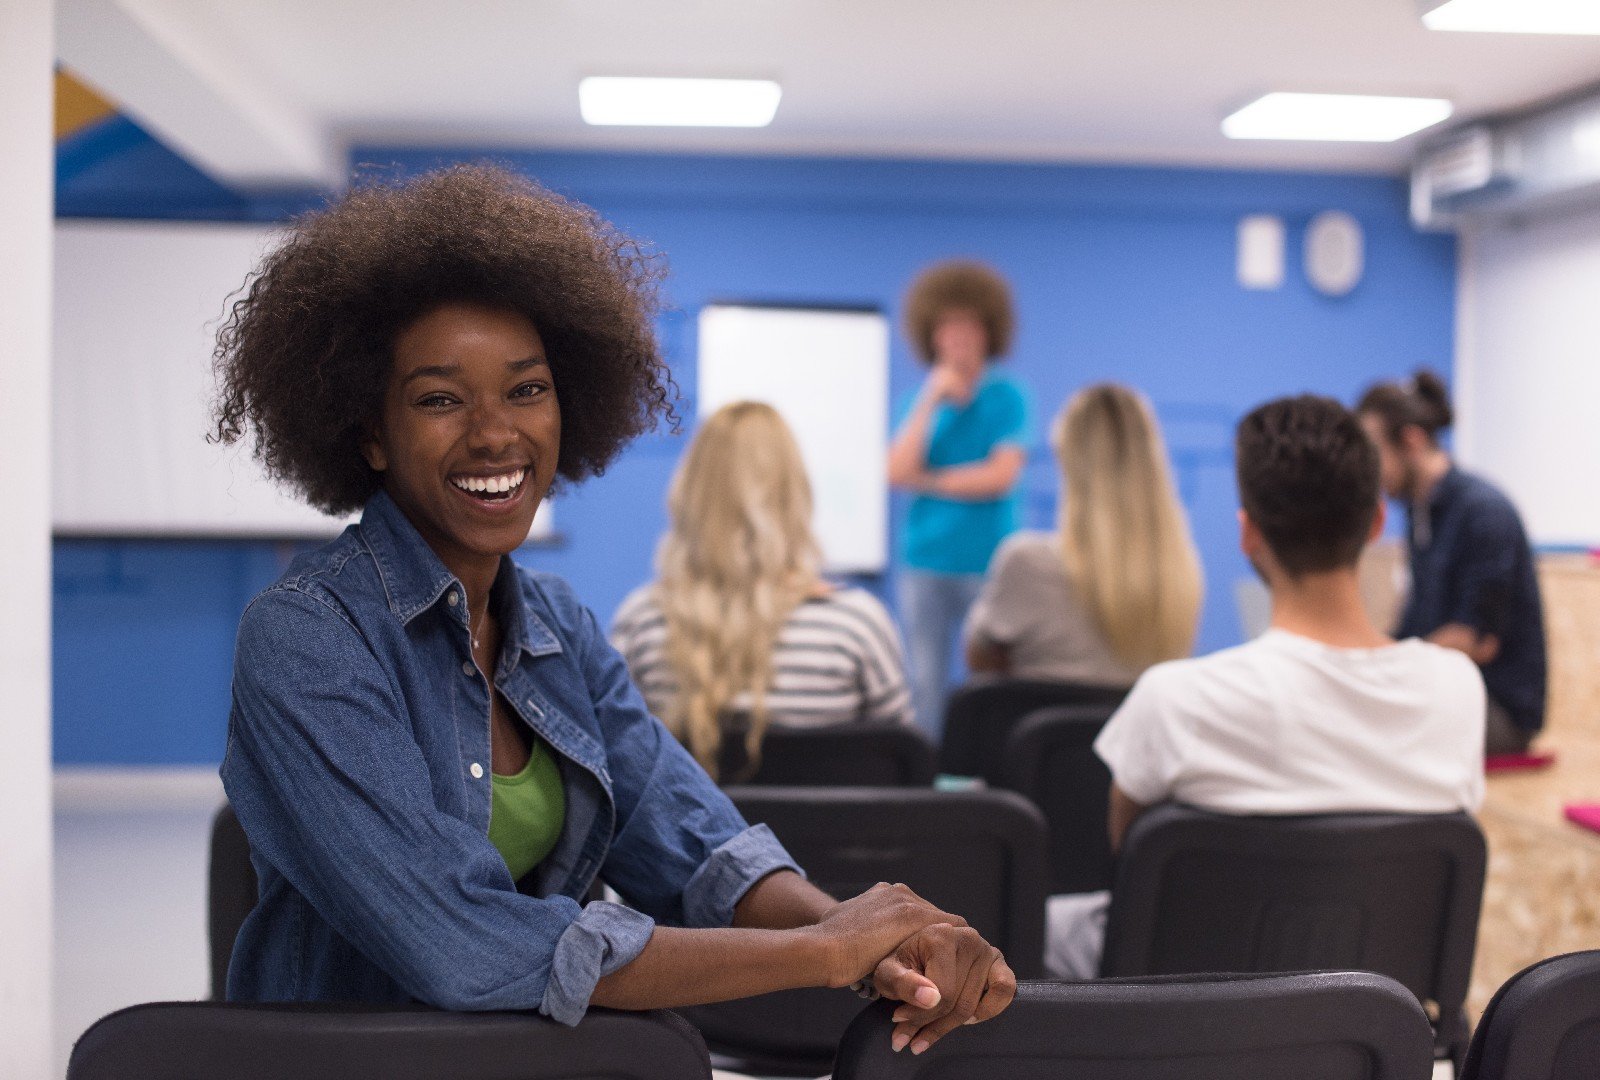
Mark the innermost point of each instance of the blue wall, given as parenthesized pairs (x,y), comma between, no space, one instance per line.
(1120,273)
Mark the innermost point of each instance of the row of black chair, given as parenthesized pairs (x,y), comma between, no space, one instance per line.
(979,719)
(1195,892)
(1544,1024)
(1212,894)
(1032,737)
(979,853)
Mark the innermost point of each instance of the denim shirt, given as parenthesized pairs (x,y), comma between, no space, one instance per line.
(358,762)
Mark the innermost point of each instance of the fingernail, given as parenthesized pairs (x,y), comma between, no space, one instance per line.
(919,1046)
(899,1016)
(970,1020)
(927,997)
(898,1043)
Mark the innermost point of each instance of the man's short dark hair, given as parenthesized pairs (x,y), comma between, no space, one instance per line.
(1308,478)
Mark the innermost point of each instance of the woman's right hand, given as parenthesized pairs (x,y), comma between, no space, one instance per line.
(947,384)
(858,933)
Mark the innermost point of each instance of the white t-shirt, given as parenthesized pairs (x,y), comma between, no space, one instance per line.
(1288,725)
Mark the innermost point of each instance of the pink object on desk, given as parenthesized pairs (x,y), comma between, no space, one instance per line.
(1495,763)
(1584,814)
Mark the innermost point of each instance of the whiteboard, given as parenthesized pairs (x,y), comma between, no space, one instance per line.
(137,307)
(827,372)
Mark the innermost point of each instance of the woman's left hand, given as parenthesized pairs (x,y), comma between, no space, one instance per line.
(975,983)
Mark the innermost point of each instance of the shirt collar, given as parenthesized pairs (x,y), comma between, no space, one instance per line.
(414,579)
(1447,487)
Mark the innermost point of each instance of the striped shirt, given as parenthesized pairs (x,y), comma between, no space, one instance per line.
(837,660)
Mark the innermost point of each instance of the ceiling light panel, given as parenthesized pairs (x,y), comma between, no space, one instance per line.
(640,102)
(1516,16)
(1334,117)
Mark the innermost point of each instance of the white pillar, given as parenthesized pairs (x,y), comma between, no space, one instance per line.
(27,154)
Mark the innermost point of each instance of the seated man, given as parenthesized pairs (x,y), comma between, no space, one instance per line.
(1321,714)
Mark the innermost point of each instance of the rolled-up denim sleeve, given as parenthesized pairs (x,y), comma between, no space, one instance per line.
(724,878)
(604,938)
(608,936)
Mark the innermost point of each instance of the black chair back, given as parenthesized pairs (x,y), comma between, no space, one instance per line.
(1392,893)
(232,892)
(185,1040)
(845,755)
(1050,760)
(1543,1024)
(977,854)
(980,716)
(1310,1026)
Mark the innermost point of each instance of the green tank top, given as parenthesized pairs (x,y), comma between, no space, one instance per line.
(527,812)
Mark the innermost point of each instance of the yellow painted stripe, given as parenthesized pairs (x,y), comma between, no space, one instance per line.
(77,106)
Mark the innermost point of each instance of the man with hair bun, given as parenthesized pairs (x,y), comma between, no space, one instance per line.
(1473,582)
(1324,713)
(960,451)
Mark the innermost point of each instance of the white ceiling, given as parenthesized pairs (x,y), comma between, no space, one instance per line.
(1094,80)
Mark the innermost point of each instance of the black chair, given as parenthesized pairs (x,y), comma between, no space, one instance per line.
(1050,760)
(1392,893)
(1341,1025)
(1543,1024)
(845,755)
(201,1040)
(980,716)
(232,891)
(977,854)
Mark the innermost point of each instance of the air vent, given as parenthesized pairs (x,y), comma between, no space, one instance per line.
(1464,163)
(1543,160)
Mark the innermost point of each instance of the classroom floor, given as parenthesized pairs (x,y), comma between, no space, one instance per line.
(1542,896)
(130,891)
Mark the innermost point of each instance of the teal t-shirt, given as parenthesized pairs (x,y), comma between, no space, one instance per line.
(956,536)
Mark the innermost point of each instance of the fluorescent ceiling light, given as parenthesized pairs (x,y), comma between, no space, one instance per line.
(1516,16)
(678,102)
(1334,117)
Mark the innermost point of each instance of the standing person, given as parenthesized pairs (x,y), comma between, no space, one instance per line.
(740,631)
(960,452)
(1474,586)
(1117,586)
(433,751)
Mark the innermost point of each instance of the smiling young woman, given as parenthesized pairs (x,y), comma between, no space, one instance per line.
(441,354)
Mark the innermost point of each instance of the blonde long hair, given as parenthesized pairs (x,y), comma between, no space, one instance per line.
(1123,532)
(738,558)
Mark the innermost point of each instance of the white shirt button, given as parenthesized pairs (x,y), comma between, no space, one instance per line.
(452,598)
(468,668)
(476,771)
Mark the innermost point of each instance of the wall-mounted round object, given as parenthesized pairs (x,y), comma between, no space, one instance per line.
(1334,252)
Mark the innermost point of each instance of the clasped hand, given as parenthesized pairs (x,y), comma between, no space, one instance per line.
(939,968)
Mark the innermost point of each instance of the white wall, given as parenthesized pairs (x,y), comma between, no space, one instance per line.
(27,159)
(1528,369)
